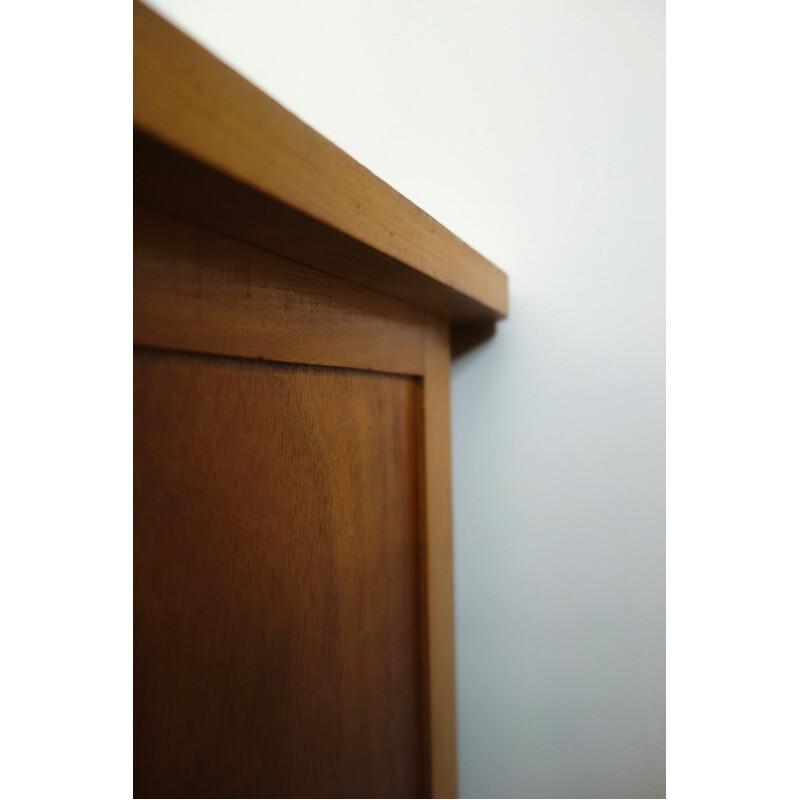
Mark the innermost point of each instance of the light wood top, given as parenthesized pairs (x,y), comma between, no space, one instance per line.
(202,129)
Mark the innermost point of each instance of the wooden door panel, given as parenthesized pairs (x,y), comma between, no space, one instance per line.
(276,580)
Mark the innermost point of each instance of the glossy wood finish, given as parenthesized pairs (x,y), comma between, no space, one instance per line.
(277,603)
(360,227)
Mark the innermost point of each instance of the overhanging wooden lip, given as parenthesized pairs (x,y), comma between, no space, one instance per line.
(194,115)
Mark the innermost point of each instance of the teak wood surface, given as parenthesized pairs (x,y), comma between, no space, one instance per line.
(250,159)
(293,576)
(277,625)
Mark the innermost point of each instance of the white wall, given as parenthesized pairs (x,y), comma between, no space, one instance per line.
(535,131)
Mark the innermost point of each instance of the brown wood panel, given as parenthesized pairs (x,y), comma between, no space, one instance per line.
(276,581)
(186,98)
(198,291)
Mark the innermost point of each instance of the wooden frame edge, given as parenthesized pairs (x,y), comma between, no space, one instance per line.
(196,290)
(436,532)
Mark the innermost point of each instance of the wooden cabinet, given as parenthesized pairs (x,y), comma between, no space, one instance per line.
(293,588)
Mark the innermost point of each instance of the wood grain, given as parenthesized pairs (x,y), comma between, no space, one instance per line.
(276,606)
(195,290)
(436,524)
(293,554)
(193,103)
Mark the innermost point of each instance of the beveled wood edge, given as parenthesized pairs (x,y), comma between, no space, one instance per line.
(191,101)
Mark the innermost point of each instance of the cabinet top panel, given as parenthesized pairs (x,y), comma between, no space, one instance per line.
(202,128)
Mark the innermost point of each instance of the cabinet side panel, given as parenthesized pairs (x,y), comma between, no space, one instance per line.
(276,603)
